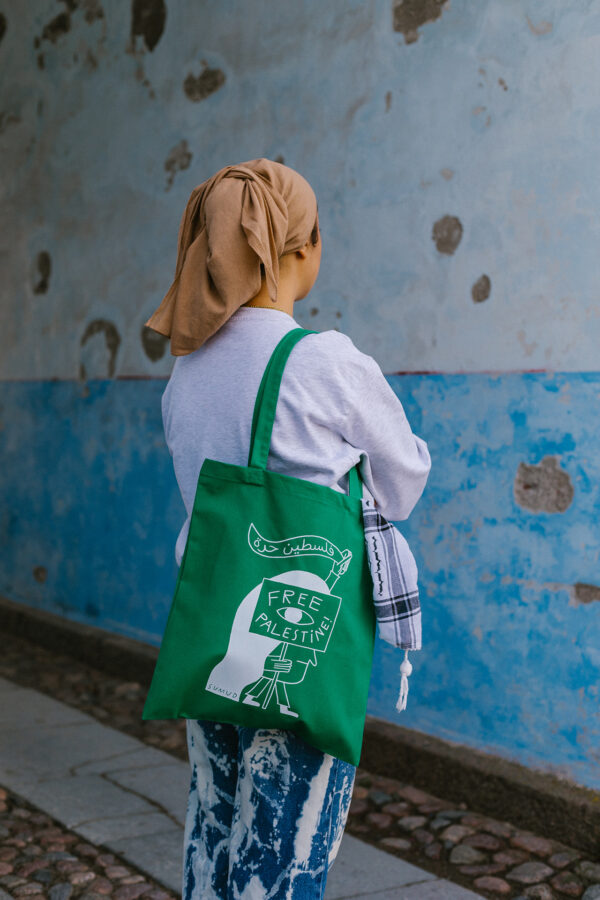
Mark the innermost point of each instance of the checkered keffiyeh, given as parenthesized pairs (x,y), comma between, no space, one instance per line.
(394,573)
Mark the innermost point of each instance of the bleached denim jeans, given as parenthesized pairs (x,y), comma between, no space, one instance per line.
(265,816)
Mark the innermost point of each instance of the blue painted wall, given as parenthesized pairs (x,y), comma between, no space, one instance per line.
(510,660)
(458,182)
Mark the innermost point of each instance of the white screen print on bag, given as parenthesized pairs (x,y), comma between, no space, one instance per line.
(281,625)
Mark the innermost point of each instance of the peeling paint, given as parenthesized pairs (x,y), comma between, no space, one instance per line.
(528,346)
(91,61)
(531,584)
(141,76)
(542,28)
(148,21)
(481,289)
(61,24)
(447,234)
(154,344)
(40,573)
(503,84)
(544,487)
(96,364)
(448,174)
(92,10)
(348,119)
(43,267)
(6,119)
(178,159)
(58,26)
(586,593)
(199,87)
(409,15)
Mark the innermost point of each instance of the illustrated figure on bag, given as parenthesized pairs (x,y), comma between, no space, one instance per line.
(280,670)
(281,625)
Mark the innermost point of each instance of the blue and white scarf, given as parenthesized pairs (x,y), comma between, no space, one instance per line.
(395,588)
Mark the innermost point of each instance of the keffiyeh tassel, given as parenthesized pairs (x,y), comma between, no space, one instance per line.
(405,670)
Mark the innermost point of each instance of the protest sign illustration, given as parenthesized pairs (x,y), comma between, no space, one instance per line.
(282,625)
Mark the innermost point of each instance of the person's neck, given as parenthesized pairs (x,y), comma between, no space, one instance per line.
(269,305)
(285,299)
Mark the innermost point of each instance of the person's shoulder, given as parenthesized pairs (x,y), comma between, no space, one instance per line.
(333,345)
(330,338)
(333,352)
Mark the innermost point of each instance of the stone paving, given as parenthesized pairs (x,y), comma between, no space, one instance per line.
(40,858)
(111,789)
(492,857)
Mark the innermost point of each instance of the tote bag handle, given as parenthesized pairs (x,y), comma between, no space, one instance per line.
(266,403)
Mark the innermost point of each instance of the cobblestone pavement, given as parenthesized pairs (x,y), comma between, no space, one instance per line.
(492,857)
(40,858)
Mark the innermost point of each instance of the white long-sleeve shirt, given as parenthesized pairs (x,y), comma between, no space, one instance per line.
(334,406)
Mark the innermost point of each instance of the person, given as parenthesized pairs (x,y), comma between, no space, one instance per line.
(266,811)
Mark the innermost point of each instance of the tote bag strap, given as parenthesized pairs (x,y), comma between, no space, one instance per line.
(266,398)
(253,453)
(354,483)
(266,403)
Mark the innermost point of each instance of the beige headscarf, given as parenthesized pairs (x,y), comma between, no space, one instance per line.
(243,215)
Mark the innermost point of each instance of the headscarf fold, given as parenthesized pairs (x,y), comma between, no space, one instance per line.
(242,216)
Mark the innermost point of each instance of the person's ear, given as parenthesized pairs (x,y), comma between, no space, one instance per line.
(303,251)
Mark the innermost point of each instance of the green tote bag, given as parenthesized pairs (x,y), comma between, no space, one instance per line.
(272,623)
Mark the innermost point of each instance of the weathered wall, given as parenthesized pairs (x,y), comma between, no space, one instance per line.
(458,181)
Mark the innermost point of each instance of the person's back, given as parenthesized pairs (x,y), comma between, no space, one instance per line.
(334,405)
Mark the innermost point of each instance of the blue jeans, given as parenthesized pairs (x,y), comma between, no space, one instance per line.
(265,816)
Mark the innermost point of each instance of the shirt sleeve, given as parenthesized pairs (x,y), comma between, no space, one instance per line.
(395,462)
